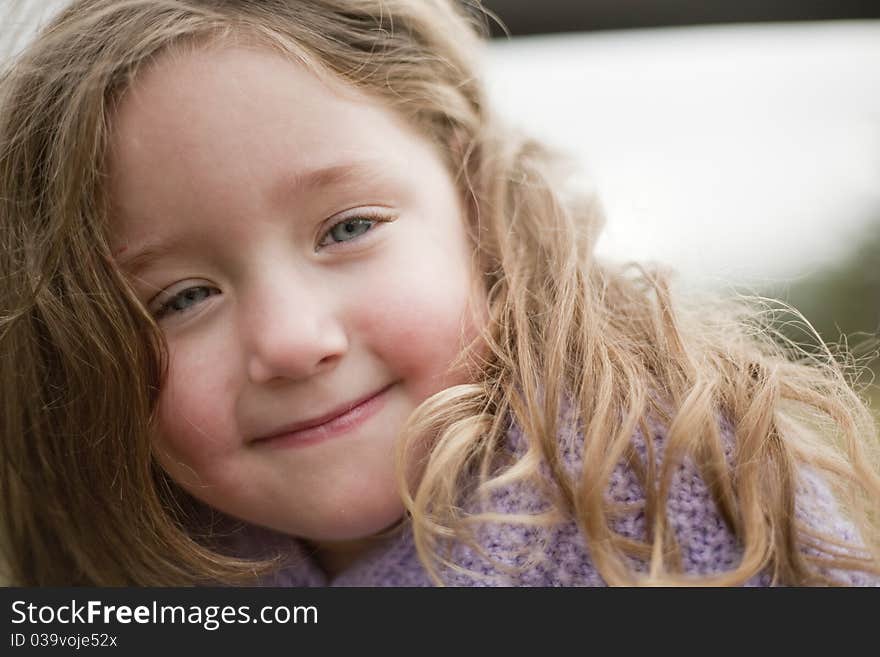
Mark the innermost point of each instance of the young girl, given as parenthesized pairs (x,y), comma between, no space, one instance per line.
(284,302)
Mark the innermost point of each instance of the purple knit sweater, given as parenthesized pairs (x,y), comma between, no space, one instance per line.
(558,556)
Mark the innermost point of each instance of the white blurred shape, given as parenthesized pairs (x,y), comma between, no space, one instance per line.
(742,154)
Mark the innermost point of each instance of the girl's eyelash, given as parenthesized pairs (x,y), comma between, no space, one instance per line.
(361,218)
(194,293)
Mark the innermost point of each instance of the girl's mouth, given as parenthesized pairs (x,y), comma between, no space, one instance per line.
(336,423)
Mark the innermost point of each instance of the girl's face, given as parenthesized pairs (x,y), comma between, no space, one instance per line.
(305,253)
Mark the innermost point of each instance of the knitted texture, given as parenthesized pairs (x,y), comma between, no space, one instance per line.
(512,554)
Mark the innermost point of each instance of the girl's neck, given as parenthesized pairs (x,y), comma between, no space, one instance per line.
(336,556)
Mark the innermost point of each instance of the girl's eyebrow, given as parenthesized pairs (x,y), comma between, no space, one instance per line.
(138,260)
(321,177)
(325,176)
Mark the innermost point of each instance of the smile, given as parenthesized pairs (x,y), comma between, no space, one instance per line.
(331,425)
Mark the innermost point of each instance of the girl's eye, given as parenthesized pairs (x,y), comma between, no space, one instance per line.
(347,230)
(185,300)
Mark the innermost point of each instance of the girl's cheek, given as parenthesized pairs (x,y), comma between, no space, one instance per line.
(195,405)
(418,327)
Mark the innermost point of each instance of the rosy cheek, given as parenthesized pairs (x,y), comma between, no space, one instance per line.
(195,421)
(416,329)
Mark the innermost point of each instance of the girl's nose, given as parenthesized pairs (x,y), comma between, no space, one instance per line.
(292,334)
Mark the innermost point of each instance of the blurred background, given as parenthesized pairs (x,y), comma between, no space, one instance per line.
(737,141)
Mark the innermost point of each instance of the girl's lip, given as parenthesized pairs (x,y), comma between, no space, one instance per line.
(332,424)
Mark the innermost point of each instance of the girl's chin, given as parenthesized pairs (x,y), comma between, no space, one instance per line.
(348,532)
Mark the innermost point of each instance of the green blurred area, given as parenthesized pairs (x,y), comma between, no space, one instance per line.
(842,302)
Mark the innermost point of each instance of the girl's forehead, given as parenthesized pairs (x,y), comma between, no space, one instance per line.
(241,129)
(212,78)
(224,107)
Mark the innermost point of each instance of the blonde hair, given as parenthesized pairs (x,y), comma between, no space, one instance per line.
(84,501)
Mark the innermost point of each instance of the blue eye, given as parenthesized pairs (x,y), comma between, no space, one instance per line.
(348,230)
(186,299)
